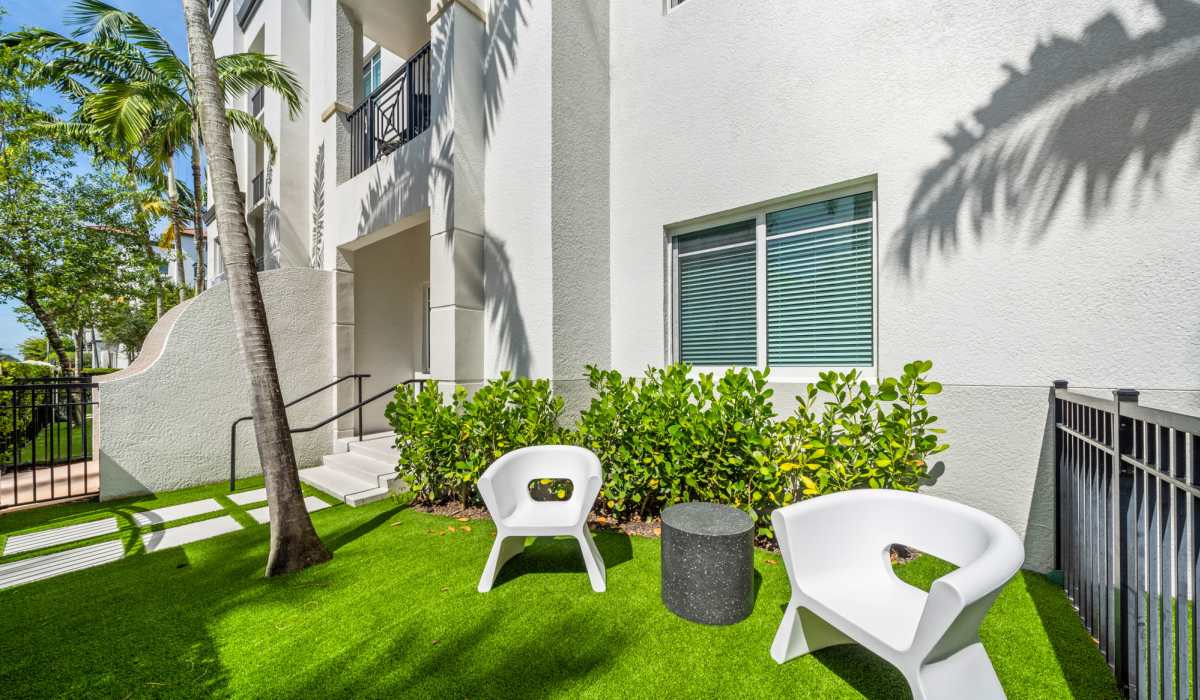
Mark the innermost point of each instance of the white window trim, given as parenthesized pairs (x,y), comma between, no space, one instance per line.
(759,212)
(368,63)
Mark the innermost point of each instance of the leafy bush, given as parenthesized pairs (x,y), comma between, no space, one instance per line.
(445,446)
(862,437)
(94,371)
(673,437)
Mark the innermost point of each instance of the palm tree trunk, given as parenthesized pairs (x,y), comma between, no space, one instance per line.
(177,224)
(198,212)
(294,541)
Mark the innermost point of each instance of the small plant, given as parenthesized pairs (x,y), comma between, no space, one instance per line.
(445,446)
(860,436)
(673,437)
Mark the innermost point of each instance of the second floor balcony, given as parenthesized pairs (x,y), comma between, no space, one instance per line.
(393,114)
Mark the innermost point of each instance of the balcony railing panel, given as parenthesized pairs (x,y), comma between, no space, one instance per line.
(394,114)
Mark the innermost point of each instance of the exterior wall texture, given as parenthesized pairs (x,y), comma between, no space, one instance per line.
(1035,169)
(163,423)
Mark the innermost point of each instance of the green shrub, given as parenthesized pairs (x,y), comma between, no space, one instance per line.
(673,437)
(446,445)
(860,436)
(94,371)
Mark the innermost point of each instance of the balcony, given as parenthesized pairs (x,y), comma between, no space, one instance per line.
(244,10)
(391,116)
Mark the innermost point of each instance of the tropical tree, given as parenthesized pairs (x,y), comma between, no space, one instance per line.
(294,542)
(134,88)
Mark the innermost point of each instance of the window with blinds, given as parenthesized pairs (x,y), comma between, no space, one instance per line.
(790,287)
(819,286)
(716,292)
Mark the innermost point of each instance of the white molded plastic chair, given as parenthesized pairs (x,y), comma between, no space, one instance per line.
(835,548)
(505,490)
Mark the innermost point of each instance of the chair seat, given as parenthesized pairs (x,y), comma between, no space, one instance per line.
(886,610)
(539,515)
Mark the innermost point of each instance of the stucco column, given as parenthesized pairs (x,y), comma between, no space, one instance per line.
(456,192)
(347,43)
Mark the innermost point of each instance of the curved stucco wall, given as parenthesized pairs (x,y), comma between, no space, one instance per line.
(164,424)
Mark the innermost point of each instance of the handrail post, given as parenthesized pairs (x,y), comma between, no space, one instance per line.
(232,455)
(358,382)
(1126,520)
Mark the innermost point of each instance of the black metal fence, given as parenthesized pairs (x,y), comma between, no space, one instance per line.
(1128,493)
(393,114)
(46,441)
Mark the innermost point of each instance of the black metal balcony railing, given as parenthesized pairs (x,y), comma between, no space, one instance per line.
(256,102)
(257,189)
(391,116)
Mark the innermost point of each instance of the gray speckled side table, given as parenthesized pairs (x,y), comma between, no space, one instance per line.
(707,562)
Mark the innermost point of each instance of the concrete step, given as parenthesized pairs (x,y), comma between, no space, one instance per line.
(382,450)
(377,472)
(343,444)
(351,488)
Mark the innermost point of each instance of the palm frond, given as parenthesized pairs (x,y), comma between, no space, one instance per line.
(242,73)
(106,22)
(244,121)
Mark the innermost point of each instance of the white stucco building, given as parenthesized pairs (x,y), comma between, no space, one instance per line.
(1005,187)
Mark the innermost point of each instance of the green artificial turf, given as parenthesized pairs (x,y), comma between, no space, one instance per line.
(396,613)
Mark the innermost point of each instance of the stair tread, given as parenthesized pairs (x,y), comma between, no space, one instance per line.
(336,482)
(366,464)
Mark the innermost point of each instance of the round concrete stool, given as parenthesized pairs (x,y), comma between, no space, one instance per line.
(707,562)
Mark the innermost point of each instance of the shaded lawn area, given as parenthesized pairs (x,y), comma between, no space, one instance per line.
(396,612)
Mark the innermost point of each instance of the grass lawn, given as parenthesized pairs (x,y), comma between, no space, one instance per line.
(396,613)
(64,445)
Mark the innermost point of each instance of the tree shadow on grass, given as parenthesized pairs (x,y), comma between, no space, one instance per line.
(561,555)
(345,537)
(1070,640)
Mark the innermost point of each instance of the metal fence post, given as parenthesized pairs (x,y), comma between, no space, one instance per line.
(1056,412)
(1129,621)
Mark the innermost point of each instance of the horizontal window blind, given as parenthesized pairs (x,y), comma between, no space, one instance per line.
(819,286)
(717,305)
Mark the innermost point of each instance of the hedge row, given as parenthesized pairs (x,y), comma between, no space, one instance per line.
(673,436)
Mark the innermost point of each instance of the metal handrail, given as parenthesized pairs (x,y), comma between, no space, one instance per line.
(233,428)
(344,412)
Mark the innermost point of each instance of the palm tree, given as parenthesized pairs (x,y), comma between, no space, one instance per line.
(294,541)
(132,85)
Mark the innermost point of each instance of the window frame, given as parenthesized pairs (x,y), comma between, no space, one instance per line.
(759,212)
(368,67)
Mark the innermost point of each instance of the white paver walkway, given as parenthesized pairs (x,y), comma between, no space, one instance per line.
(179,512)
(59,535)
(192,532)
(312,503)
(47,565)
(245,498)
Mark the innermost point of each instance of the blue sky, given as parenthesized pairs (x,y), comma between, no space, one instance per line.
(167,15)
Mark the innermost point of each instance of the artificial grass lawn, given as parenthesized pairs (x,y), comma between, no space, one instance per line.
(396,613)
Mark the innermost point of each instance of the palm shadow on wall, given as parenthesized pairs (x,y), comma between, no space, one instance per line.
(1085,111)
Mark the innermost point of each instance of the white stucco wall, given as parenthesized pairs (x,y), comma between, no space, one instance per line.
(1020,237)
(389,278)
(164,422)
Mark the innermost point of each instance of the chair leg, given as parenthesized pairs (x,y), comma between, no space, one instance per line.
(966,673)
(802,632)
(504,548)
(592,559)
